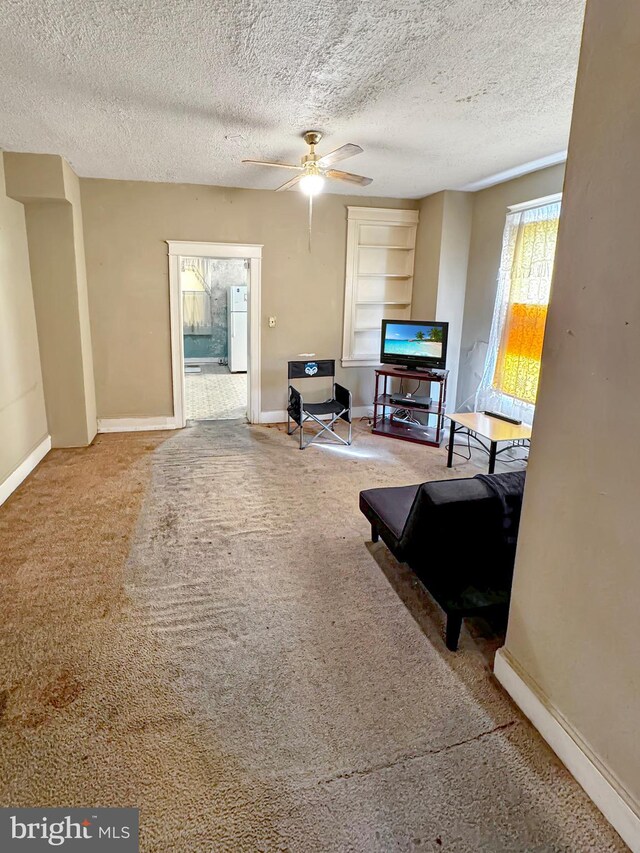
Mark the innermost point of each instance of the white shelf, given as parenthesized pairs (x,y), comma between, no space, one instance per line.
(382,302)
(362,361)
(383,275)
(382,246)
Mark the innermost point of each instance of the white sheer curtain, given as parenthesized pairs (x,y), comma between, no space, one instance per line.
(196,304)
(510,380)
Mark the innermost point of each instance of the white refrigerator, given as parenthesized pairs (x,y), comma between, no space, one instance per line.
(237,326)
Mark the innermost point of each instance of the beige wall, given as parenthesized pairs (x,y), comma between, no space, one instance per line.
(126,225)
(454,259)
(573,626)
(23,423)
(50,192)
(33,177)
(72,192)
(489,213)
(427,262)
(442,254)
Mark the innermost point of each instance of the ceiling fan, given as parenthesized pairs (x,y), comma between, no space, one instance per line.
(314,169)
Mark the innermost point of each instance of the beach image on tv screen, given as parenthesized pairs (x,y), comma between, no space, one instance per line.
(418,340)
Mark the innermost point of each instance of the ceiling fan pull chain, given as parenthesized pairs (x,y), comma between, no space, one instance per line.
(310,219)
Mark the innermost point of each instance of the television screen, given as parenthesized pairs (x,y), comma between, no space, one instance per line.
(414,343)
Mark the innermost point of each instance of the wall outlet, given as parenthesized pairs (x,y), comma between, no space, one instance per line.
(272,322)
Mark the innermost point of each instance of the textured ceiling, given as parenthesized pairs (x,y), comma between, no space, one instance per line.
(439,93)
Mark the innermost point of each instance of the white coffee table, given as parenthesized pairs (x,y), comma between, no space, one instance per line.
(493,429)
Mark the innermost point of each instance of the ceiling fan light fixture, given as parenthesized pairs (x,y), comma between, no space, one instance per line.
(312,184)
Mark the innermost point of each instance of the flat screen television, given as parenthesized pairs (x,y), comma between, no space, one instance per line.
(415,343)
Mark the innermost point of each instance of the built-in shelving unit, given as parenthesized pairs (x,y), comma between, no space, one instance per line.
(379,278)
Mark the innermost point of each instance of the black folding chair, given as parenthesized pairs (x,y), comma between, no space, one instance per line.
(338,407)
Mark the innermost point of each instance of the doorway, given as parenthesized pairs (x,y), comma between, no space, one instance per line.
(215,309)
(214,337)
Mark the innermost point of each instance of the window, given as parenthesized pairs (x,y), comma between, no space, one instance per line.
(512,369)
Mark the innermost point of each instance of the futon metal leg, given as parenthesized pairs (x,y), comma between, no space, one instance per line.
(452,437)
(374,533)
(454,624)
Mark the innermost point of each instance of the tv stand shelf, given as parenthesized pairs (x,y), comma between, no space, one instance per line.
(385,400)
(384,420)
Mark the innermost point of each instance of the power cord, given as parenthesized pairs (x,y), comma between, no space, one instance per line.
(405,416)
(479,446)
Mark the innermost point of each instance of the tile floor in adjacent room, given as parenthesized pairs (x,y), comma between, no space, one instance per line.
(215,393)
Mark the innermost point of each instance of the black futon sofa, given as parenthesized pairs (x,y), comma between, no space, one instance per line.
(458,536)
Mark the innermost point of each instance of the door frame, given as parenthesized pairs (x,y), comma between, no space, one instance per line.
(253,253)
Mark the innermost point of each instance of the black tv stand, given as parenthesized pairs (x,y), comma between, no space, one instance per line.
(396,420)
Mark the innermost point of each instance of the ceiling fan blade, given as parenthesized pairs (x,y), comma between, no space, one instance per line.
(290,183)
(278,165)
(348,150)
(337,175)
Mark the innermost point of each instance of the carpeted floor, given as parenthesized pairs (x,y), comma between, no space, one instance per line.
(195,624)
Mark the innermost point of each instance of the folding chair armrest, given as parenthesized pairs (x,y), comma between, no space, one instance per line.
(342,395)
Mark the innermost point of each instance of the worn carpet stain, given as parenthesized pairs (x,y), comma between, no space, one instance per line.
(195,625)
(89,714)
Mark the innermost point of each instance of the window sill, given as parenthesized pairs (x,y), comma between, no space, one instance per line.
(360,362)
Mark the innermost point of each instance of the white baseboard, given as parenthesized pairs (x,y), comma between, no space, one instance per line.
(279,416)
(605,791)
(138,424)
(23,470)
(135,424)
